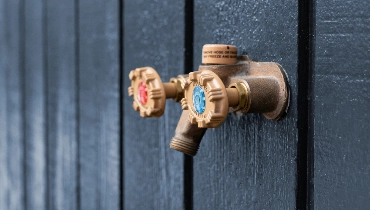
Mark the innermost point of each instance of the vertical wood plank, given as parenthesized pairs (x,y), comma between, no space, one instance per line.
(61,105)
(34,105)
(11,122)
(3,131)
(341,100)
(99,104)
(249,162)
(153,36)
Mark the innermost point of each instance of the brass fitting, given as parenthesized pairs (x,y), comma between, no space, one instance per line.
(187,136)
(178,86)
(243,97)
(223,83)
(251,87)
(150,94)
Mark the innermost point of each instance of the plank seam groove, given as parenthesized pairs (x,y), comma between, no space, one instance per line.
(121,101)
(22,18)
(188,67)
(77,108)
(46,101)
(306,27)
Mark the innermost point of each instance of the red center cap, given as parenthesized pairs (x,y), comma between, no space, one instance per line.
(143,93)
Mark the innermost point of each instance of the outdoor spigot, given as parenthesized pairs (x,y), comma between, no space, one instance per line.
(150,94)
(224,83)
(228,83)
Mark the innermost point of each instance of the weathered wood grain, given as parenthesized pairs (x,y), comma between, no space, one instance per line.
(249,162)
(153,173)
(11,121)
(98,104)
(61,104)
(341,120)
(34,107)
(3,101)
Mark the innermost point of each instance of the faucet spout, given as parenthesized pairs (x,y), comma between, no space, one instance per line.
(187,136)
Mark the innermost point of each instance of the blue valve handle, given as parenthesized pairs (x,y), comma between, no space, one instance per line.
(199,100)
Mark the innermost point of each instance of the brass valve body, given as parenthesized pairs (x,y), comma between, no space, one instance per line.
(266,83)
(223,83)
(251,87)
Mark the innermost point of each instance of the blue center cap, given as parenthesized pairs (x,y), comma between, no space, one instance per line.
(199,100)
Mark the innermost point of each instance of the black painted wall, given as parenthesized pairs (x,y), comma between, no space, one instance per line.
(69,138)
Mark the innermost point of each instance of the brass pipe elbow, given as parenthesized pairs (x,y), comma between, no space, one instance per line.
(187,136)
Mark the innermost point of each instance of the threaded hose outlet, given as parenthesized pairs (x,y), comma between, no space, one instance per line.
(187,136)
(186,146)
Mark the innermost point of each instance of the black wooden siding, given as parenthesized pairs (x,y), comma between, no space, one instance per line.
(69,138)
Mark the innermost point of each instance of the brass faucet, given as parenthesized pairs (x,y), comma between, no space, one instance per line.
(223,83)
